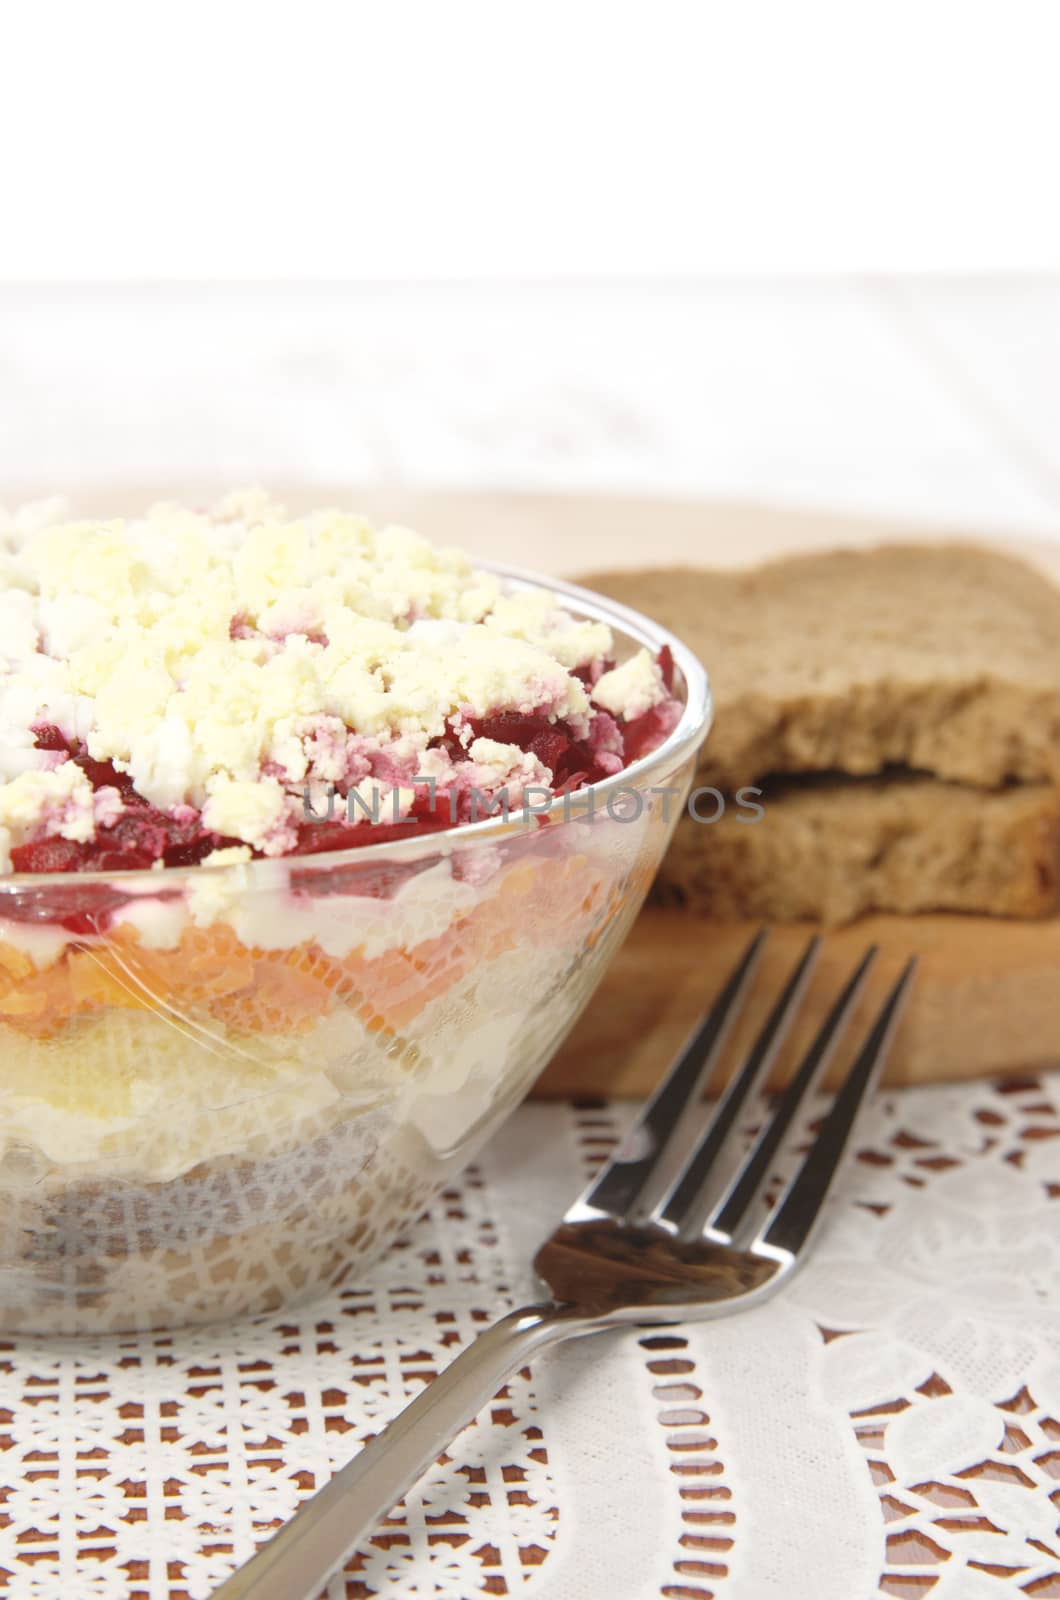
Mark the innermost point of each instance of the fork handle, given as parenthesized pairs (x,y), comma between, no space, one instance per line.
(296,1563)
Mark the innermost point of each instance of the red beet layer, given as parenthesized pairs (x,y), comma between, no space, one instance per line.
(144,835)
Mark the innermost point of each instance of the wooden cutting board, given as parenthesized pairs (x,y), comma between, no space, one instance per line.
(987,998)
(986,1001)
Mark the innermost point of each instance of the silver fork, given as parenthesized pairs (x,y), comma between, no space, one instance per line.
(655,1238)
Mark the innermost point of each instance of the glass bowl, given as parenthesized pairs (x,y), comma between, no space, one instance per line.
(224,1089)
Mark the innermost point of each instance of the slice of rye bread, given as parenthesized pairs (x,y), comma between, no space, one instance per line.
(942,658)
(986,998)
(831,849)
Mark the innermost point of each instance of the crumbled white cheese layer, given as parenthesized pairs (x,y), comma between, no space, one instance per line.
(632,689)
(60,802)
(255,812)
(224,659)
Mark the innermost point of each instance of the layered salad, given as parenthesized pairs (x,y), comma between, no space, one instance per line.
(234,1043)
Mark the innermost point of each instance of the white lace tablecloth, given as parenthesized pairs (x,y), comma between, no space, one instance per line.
(890,1425)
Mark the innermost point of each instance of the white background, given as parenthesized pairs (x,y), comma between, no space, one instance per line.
(803,254)
(935,400)
(339,138)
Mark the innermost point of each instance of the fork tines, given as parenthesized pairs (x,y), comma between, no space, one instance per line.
(650,1182)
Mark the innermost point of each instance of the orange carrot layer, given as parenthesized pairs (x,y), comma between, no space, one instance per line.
(210,974)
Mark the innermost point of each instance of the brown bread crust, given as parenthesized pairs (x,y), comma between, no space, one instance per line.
(832,849)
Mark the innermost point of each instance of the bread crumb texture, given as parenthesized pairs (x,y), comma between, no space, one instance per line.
(942,658)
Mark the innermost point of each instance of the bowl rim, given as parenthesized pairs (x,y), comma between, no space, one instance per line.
(692,728)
